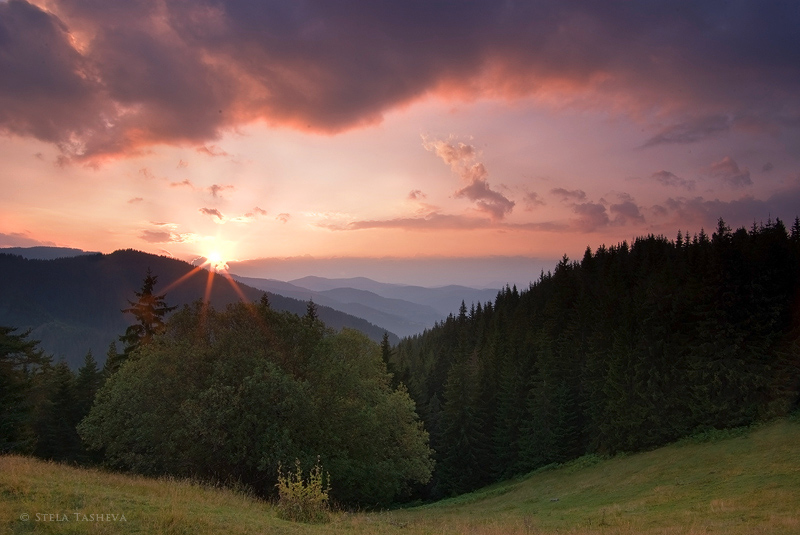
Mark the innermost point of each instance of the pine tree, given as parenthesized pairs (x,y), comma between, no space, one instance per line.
(54,414)
(19,358)
(149,310)
(87,383)
(386,349)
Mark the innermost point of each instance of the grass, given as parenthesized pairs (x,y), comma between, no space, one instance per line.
(748,483)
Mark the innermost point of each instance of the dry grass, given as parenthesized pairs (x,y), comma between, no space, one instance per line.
(744,485)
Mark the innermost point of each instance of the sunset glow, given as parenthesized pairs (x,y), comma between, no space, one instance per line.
(246,130)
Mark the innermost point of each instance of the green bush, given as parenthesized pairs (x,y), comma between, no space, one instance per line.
(228,395)
(303,500)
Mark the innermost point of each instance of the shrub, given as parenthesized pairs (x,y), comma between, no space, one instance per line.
(301,500)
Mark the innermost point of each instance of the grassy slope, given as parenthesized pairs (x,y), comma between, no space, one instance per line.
(748,484)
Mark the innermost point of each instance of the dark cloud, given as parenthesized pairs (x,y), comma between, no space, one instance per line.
(591,217)
(742,212)
(20,239)
(486,200)
(213,212)
(565,194)
(626,212)
(156,236)
(729,171)
(116,76)
(532,200)
(691,131)
(669,178)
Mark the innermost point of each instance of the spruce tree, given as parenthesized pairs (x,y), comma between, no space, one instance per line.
(19,359)
(149,310)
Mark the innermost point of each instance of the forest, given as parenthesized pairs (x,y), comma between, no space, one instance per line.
(631,347)
(224,397)
(627,349)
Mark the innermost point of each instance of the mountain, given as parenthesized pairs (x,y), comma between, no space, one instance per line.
(45,253)
(73,305)
(443,299)
(403,310)
(401,317)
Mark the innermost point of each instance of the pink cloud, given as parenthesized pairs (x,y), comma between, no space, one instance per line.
(729,171)
(460,157)
(213,212)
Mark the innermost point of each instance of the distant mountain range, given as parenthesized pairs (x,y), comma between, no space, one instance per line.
(45,253)
(72,300)
(403,310)
(73,304)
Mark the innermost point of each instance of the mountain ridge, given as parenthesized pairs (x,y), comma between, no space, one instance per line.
(74,304)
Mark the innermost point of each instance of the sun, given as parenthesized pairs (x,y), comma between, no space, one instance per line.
(215,261)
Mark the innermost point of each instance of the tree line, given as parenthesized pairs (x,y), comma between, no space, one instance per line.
(627,349)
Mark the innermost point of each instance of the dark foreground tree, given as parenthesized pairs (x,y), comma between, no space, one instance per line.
(229,395)
(20,359)
(149,311)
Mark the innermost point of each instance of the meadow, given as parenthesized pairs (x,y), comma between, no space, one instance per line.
(745,481)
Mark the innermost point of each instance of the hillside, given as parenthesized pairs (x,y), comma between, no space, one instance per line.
(747,483)
(74,304)
(632,347)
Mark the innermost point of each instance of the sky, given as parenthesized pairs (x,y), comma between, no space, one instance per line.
(479,138)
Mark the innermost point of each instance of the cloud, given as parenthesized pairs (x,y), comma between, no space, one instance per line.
(454,155)
(566,195)
(460,158)
(116,77)
(692,131)
(767,167)
(591,216)
(147,173)
(182,164)
(183,183)
(532,200)
(416,195)
(213,212)
(164,236)
(432,221)
(21,239)
(626,212)
(741,212)
(135,200)
(668,178)
(156,236)
(249,216)
(283,217)
(728,170)
(216,189)
(486,200)
(212,150)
